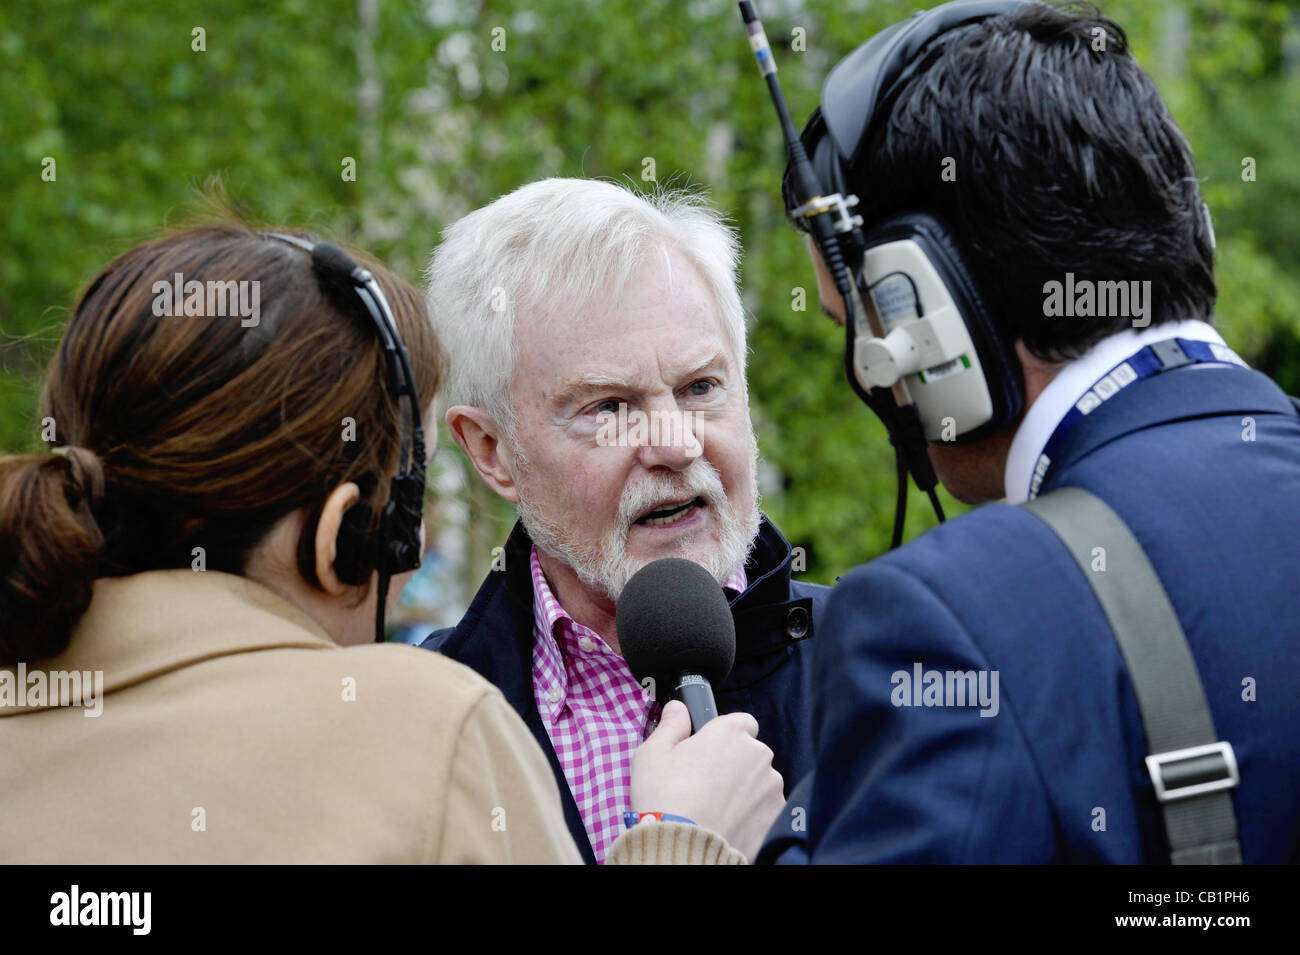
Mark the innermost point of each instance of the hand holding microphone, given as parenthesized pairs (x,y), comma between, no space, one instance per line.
(676,629)
(721,777)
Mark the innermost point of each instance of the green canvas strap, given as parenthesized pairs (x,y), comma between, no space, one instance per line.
(1193,772)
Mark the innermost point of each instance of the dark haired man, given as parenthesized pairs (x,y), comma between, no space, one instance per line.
(1068,169)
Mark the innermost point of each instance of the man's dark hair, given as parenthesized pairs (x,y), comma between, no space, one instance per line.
(1066,160)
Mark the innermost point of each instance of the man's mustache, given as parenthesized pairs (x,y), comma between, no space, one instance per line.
(636,500)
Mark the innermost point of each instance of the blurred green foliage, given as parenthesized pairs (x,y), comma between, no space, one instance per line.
(439,122)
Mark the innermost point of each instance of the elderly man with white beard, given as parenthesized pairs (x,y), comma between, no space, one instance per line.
(564,307)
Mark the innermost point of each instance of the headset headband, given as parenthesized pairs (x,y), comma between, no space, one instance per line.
(860,91)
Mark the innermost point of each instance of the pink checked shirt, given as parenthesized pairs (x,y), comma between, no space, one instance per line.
(594,710)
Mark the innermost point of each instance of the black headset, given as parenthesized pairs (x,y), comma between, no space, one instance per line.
(397,548)
(935,284)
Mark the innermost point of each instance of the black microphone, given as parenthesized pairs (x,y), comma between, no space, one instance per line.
(675,628)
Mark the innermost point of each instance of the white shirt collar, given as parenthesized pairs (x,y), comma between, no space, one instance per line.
(1070,384)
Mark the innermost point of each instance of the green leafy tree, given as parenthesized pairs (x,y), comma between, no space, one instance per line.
(446,104)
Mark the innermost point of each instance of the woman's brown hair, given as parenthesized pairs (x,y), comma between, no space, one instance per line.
(184,431)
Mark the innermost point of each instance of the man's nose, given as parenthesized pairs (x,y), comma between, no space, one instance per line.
(670,439)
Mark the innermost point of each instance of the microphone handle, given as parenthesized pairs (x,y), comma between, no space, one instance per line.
(696,692)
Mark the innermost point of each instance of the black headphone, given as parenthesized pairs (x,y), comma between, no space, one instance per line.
(397,547)
(857,100)
(934,366)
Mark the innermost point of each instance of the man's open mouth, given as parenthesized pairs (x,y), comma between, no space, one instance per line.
(669,513)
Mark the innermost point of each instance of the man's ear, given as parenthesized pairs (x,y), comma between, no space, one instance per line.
(480,439)
(1038,372)
(327,536)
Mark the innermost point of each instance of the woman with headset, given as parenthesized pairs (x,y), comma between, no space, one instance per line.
(190,579)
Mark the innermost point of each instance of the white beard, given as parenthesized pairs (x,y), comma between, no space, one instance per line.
(605,566)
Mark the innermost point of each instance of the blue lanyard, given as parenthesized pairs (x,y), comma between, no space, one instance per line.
(1151,360)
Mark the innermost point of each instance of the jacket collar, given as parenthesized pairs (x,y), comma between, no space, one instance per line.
(1182,394)
(768,570)
(478,643)
(146,624)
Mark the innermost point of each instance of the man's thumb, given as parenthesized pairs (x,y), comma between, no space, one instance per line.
(674,725)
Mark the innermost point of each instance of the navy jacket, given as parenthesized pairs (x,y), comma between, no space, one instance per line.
(1219,518)
(774,625)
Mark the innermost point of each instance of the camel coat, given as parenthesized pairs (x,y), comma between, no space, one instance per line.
(231,729)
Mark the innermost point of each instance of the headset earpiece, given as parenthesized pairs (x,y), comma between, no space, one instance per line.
(396,549)
(354,547)
(402,521)
(963,376)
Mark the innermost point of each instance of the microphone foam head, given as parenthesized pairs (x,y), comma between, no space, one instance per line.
(673,618)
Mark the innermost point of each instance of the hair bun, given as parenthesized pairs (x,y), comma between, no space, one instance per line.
(50,547)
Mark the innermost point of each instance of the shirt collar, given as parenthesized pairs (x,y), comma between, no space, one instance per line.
(552,626)
(1070,384)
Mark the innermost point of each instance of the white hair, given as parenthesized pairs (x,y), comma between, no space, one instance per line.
(561,241)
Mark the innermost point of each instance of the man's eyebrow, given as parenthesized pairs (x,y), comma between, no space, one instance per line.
(570,389)
(715,359)
(574,387)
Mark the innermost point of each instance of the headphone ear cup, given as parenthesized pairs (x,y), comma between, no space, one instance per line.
(1001,367)
(353,546)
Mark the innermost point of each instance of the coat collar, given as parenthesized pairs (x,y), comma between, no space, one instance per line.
(150,623)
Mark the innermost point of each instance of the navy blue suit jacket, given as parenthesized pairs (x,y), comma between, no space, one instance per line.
(770,679)
(1219,518)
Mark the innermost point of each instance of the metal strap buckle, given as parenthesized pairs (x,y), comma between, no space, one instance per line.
(1181,773)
